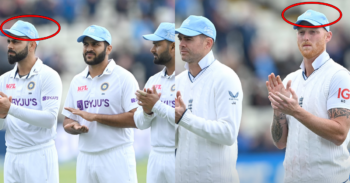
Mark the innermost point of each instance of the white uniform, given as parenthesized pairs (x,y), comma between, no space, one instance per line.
(31,124)
(309,157)
(161,163)
(206,138)
(106,152)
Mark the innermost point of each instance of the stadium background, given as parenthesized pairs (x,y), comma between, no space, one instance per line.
(252,39)
(126,20)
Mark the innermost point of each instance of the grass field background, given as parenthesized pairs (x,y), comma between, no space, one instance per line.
(67,172)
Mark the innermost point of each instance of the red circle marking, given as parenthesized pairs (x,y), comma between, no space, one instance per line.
(315,26)
(26,16)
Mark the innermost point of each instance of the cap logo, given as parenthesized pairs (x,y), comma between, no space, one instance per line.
(170,35)
(308,14)
(31,33)
(208,31)
(187,22)
(91,29)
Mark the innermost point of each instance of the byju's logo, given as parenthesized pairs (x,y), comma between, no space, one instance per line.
(233,97)
(80,105)
(50,98)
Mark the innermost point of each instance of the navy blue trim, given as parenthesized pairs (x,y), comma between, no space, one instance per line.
(15,73)
(304,75)
(165,72)
(205,68)
(88,74)
(27,75)
(181,117)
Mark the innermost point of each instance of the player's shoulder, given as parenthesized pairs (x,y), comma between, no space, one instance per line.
(48,71)
(5,75)
(122,72)
(182,75)
(223,72)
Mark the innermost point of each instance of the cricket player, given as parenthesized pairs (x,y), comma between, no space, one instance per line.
(208,109)
(29,104)
(157,111)
(311,110)
(100,106)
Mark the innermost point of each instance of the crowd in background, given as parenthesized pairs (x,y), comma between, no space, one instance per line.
(252,39)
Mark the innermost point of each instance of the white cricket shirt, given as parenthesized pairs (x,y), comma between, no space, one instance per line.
(36,97)
(309,157)
(112,92)
(162,121)
(206,137)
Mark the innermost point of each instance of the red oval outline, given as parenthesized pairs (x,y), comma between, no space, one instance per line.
(315,26)
(37,16)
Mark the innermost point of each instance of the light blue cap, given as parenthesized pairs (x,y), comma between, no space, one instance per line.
(21,29)
(314,18)
(195,25)
(97,33)
(165,31)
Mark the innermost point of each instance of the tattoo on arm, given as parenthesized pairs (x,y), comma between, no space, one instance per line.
(277,128)
(338,112)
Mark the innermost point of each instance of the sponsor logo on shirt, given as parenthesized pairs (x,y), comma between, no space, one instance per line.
(133,100)
(82,88)
(173,88)
(169,102)
(85,104)
(104,86)
(31,85)
(159,87)
(50,98)
(233,97)
(10,86)
(344,93)
(24,101)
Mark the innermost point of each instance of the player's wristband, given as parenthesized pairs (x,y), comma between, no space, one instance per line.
(181,117)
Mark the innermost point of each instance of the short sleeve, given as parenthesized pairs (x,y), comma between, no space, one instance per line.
(130,86)
(339,91)
(70,103)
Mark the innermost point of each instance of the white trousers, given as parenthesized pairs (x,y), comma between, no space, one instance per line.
(116,165)
(37,166)
(161,167)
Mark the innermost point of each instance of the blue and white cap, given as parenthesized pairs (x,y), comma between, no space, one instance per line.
(314,18)
(165,31)
(21,29)
(195,25)
(97,33)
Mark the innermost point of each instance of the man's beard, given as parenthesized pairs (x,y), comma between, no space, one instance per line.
(163,58)
(18,56)
(98,59)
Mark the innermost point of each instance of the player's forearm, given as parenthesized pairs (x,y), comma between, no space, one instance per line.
(220,131)
(329,129)
(279,129)
(123,120)
(44,119)
(142,120)
(69,130)
(164,111)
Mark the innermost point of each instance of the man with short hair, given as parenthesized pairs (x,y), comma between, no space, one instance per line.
(30,120)
(157,107)
(208,109)
(312,110)
(100,106)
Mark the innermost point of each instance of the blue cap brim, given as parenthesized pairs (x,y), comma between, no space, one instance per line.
(307,20)
(187,32)
(152,37)
(81,38)
(14,32)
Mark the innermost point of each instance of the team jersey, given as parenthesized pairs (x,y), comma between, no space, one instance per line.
(36,97)
(112,92)
(162,121)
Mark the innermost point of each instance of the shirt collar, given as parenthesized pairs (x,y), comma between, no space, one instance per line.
(108,70)
(318,62)
(205,62)
(34,71)
(164,73)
